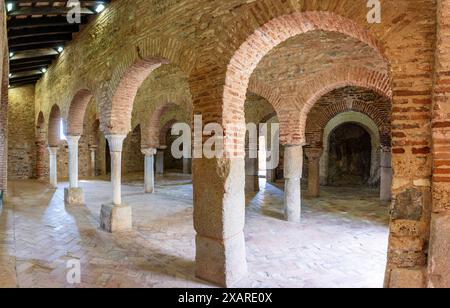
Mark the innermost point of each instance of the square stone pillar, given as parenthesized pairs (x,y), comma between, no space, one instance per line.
(386,175)
(314,155)
(187,165)
(116,217)
(219,217)
(251,173)
(293,167)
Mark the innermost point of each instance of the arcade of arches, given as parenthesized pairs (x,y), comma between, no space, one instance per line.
(360,196)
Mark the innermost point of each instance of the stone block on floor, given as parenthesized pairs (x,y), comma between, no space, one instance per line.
(115,218)
(74,196)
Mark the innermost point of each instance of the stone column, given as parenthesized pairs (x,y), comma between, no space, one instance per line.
(293,167)
(160,160)
(386,174)
(314,155)
(187,165)
(53,166)
(73,194)
(219,216)
(251,174)
(92,167)
(149,170)
(116,216)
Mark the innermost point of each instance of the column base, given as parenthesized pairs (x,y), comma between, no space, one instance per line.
(114,218)
(149,191)
(74,196)
(221,262)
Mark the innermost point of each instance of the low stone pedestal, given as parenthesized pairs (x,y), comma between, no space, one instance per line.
(116,218)
(74,196)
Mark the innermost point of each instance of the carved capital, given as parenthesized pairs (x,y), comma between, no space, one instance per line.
(313,153)
(115,142)
(53,150)
(149,151)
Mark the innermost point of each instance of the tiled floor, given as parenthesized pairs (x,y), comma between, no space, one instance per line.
(342,241)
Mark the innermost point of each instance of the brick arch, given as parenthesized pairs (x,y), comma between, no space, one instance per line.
(40,122)
(151,126)
(268,117)
(271,94)
(135,65)
(375,114)
(341,77)
(259,44)
(164,130)
(54,126)
(77,111)
(285,111)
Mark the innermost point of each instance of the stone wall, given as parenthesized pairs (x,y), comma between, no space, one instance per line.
(22,133)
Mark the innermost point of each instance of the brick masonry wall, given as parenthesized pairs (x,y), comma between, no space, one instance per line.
(438,258)
(21,133)
(219,44)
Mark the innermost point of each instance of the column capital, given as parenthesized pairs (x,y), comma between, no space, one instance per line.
(73,138)
(72,141)
(53,150)
(115,142)
(162,148)
(313,153)
(93,147)
(148,151)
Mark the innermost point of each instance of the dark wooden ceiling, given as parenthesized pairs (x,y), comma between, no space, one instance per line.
(36,29)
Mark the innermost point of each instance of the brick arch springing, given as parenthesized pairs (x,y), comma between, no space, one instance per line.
(77,111)
(270,93)
(135,66)
(285,111)
(259,44)
(54,126)
(268,117)
(151,127)
(314,129)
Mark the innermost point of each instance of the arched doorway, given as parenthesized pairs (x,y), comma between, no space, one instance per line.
(349,156)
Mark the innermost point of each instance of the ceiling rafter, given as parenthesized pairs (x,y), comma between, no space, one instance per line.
(37,29)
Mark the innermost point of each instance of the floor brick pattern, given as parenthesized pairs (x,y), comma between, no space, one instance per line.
(342,241)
